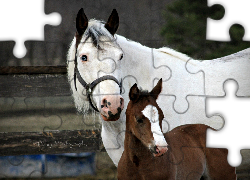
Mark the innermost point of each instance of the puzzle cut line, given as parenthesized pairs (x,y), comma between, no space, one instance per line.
(235,132)
(27,23)
(236,12)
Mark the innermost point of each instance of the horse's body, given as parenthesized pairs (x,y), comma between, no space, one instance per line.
(185,156)
(131,62)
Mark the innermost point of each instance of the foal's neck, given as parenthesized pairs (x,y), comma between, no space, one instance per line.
(135,150)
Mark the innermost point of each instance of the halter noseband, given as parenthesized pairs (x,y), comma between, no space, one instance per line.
(90,86)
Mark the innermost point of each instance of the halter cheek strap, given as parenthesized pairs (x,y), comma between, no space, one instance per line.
(90,86)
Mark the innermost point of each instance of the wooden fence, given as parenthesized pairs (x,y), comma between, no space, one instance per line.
(44,81)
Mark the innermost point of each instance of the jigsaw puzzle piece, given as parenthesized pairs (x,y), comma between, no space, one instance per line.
(42,117)
(37,114)
(58,113)
(180,83)
(107,64)
(24,20)
(127,82)
(243,169)
(6,104)
(236,128)
(196,113)
(186,152)
(235,12)
(12,111)
(69,14)
(157,70)
(22,166)
(105,167)
(90,119)
(217,71)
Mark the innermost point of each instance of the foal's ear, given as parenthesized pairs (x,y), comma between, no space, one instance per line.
(157,89)
(134,93)
(113,22)
(81,22)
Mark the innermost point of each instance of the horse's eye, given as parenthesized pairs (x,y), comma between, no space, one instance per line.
(84,58)
(121,57)
(139,120)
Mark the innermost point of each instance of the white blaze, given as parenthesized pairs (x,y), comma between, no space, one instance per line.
(152,114)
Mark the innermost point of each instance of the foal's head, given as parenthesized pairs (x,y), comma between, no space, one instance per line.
(144,119)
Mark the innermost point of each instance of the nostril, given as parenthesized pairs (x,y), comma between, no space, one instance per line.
(112,103)
(155,149)
(121,101)
(104,103)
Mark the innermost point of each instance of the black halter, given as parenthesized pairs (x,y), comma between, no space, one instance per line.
(90,86)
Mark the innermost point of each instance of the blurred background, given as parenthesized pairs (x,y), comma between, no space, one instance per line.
(178,24)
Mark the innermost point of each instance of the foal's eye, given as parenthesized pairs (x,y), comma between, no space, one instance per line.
(139,120)
(121,57)
(84,58)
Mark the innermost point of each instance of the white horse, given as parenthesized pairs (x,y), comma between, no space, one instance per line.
(102,66)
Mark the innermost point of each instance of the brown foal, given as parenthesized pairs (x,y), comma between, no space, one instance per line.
(179,154)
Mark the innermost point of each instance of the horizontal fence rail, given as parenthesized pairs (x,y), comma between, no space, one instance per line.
(10,70)
(33,81)
(49,142)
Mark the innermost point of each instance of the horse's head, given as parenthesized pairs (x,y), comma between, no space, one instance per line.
(144,118)
(94,71)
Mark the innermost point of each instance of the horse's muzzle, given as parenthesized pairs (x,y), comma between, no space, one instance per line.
(111,107)
(153,150)
(158,150)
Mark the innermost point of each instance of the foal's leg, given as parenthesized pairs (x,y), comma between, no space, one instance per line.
(217,165)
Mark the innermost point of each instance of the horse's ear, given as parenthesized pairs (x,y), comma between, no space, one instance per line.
(81,22)
(157,89)
(113,22)
(134,93)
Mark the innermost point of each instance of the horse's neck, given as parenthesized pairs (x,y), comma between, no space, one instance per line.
(141,61)
(143,64)
(136,55)
(137,62)
(113,126)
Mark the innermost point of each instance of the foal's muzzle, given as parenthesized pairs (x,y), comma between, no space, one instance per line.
(158,151)
(153,150)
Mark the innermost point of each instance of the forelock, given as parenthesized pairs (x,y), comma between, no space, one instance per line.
(96,30)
